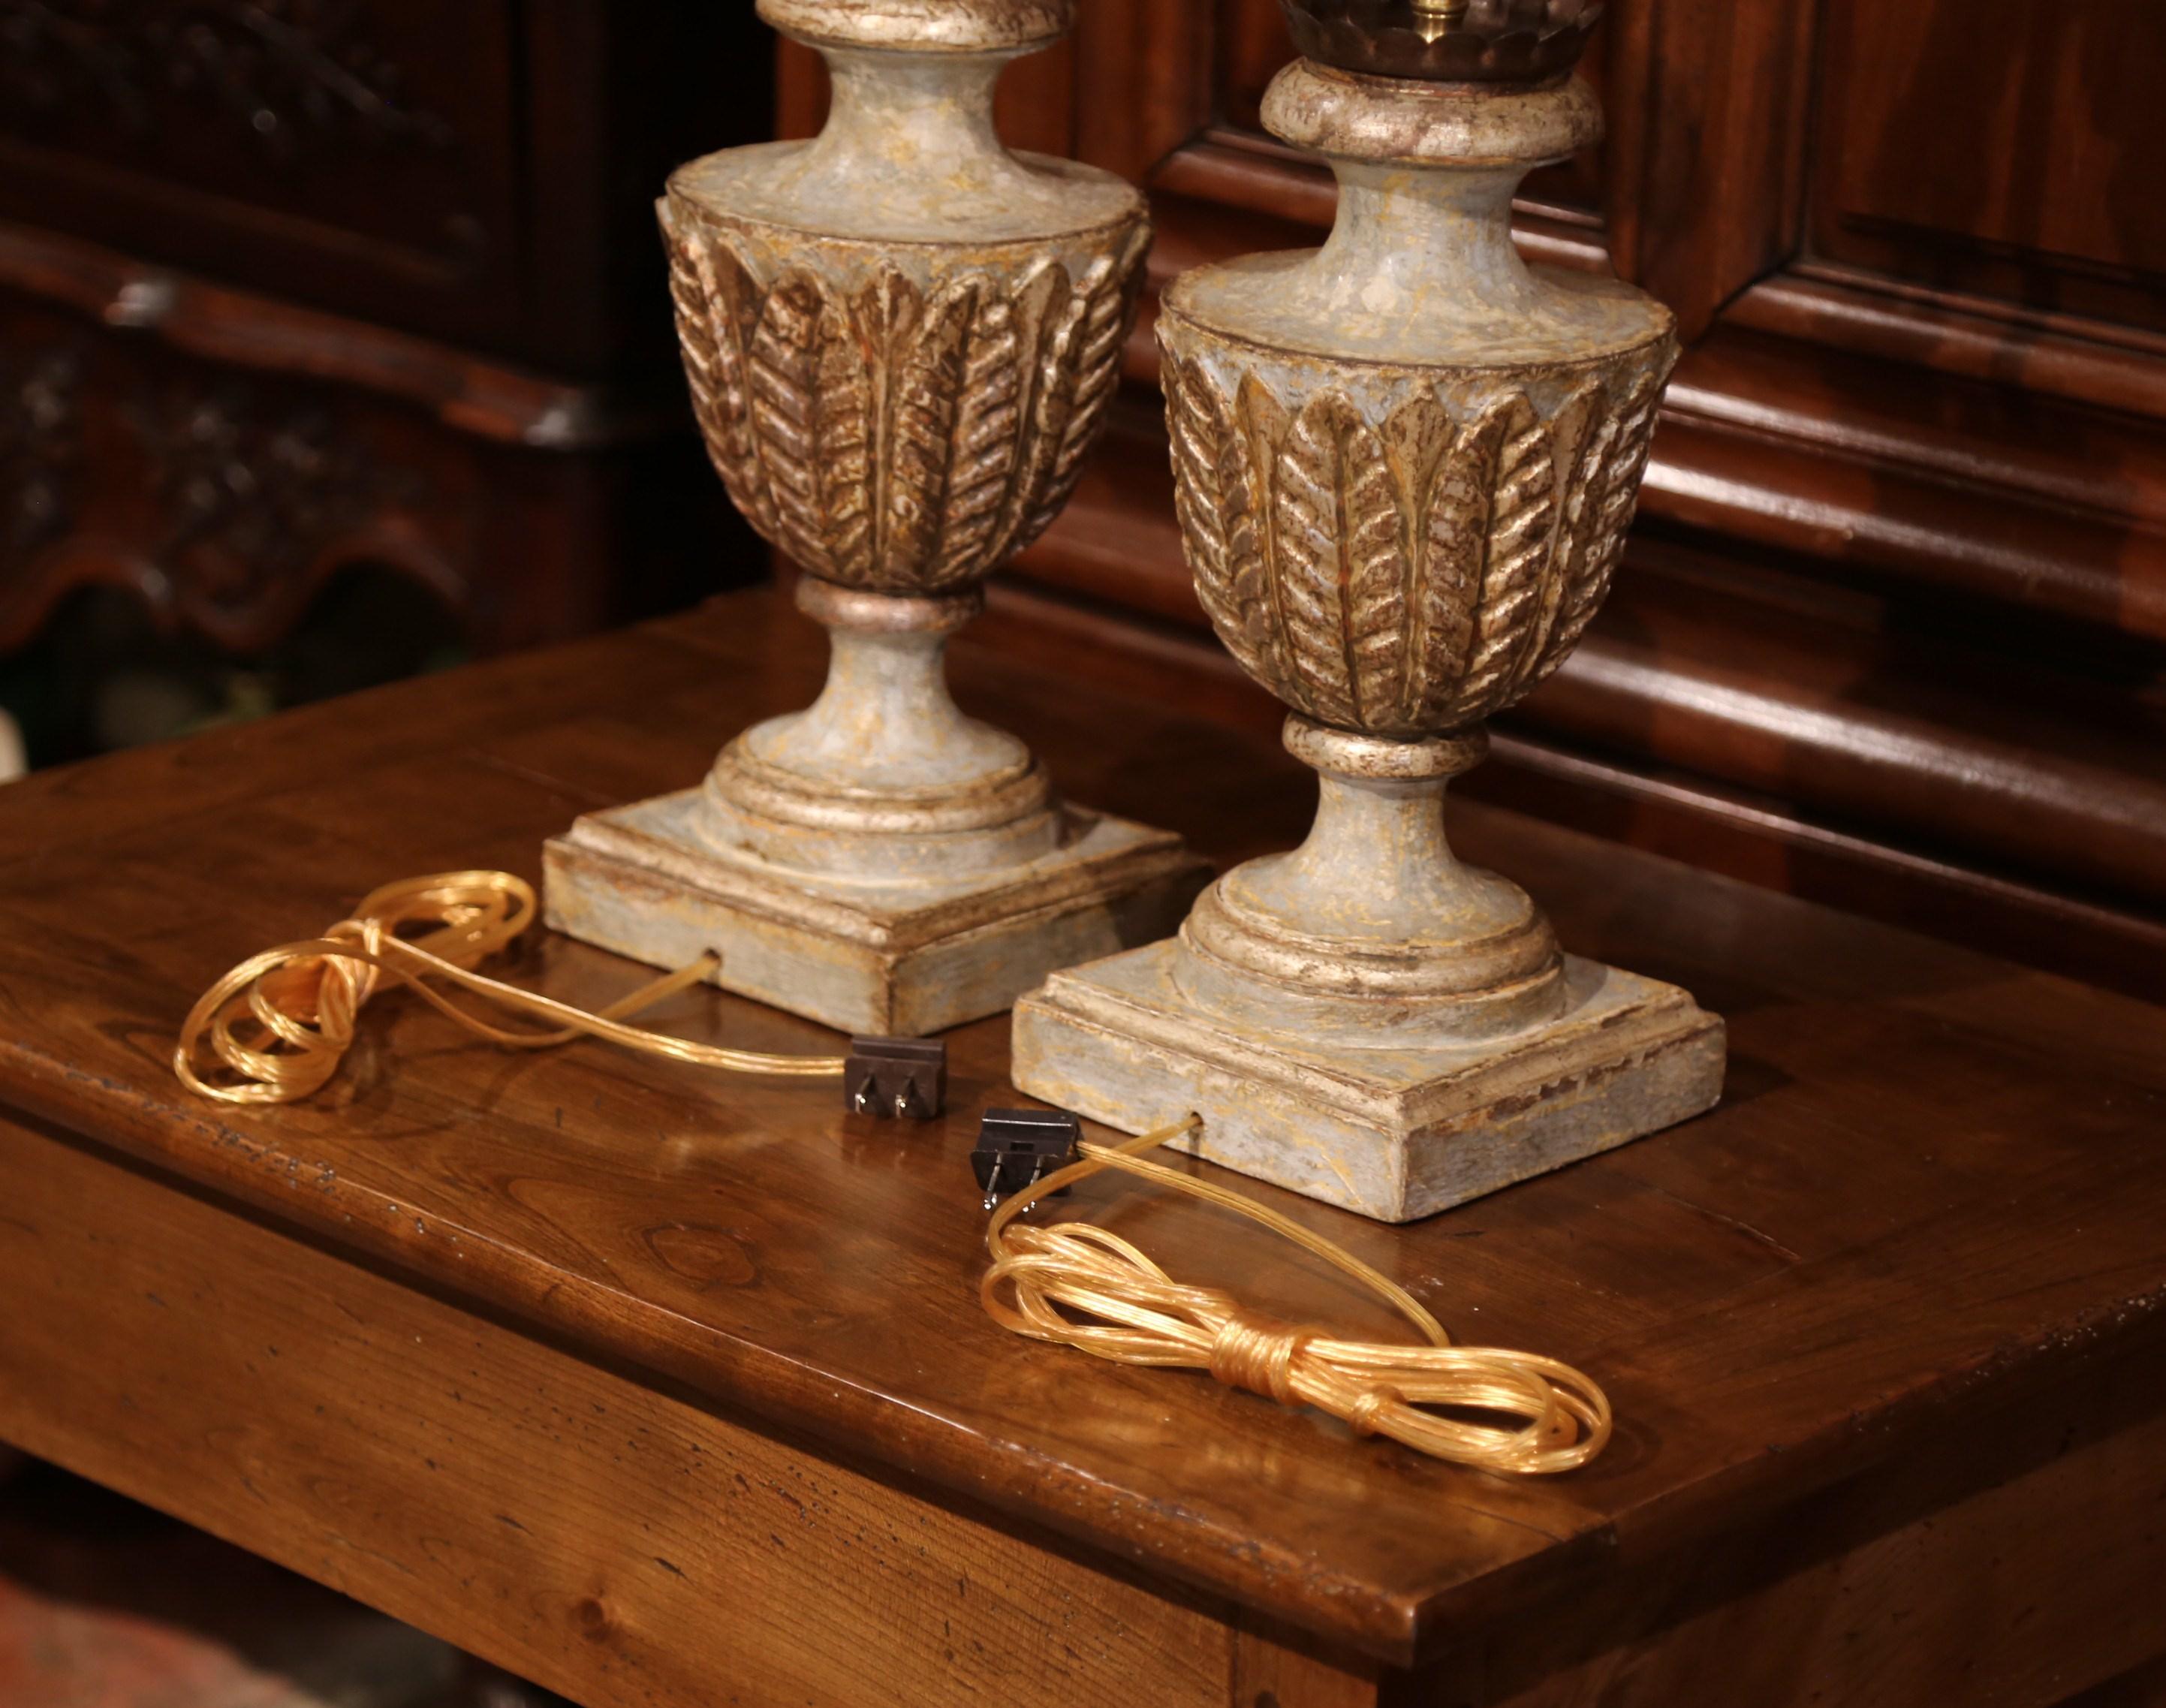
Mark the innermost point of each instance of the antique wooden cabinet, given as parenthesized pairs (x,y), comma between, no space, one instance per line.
(1892,630)
(290,286)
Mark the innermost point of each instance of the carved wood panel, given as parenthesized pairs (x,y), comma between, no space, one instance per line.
(225,495)
(288,286)
(225,502)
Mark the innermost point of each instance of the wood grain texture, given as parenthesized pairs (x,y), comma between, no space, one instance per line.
(1963,129)
(2143,1688)
(1883,1592)
(1933,1188)
(618,1544)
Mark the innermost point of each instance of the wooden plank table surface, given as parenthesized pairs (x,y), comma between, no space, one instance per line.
(668,1388)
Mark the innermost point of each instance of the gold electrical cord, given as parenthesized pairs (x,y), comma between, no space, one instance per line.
(1077,1285)
(277,1027)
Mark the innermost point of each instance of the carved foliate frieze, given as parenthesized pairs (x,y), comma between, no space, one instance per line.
(1410,573)
(253,491)
(895,437)
(224,501)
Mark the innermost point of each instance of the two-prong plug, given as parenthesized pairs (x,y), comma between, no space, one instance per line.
(896,1078)
(1017,1148)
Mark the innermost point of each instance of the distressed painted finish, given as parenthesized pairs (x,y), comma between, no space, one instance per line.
(901,341)
(1404,464)
(896,958)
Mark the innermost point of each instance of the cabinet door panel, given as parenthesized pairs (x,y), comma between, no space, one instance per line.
(2002,148)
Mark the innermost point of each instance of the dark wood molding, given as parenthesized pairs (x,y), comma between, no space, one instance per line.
(2052,355)
(1911,475)
(490,400)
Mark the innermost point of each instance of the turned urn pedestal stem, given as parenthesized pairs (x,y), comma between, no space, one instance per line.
(882,779)
(1373,934)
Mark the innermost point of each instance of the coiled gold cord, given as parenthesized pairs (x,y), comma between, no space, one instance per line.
(277,1027)
(1080,1286)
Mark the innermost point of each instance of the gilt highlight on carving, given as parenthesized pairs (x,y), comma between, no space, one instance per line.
(894,440)
(1409,574)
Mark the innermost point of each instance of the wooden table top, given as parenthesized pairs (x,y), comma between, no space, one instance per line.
(1936,1183)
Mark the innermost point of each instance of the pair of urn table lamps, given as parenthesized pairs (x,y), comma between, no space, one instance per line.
(1405,465)
(1404,468)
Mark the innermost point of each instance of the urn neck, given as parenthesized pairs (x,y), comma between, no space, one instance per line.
(1424,240)
(915,115)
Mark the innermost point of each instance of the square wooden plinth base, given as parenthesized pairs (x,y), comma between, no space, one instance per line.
(892,960)
(1395,1134)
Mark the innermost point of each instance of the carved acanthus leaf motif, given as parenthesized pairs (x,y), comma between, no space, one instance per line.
(716,310)
(1105,306)
(924,396)
(40,448)
(1442,579)
(1327,455)
(805,402)
(1610,476)
(1579,437)
(1518,533)
(1216,495)
(1411,576)
(986,442)
(887,439)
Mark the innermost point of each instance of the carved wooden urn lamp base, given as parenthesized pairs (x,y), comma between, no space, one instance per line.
(1405,467)
(901,340)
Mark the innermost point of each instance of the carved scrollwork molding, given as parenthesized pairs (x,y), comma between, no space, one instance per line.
(897,438)
(253,492)
(224,501)
(1410,573)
